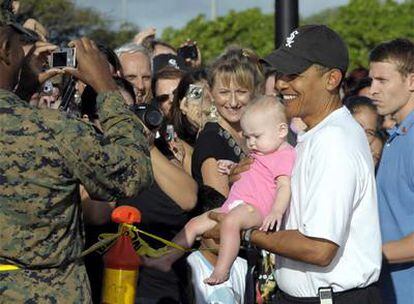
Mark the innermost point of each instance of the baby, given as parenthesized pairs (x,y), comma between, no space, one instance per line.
(258,200)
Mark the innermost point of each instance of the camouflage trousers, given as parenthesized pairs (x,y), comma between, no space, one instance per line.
(55,285)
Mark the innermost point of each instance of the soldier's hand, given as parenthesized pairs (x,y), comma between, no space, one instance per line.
(241,167)
(92,66)
(32,74)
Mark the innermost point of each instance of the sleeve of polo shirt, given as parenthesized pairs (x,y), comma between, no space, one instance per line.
(327,207)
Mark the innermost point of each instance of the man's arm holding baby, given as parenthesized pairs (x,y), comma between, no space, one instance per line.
(288,243)
(295,245)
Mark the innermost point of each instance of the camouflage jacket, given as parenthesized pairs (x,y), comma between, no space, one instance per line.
(44,156)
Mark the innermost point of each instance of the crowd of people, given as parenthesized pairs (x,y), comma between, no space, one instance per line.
(289,156)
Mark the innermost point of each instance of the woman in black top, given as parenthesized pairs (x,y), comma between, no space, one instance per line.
(234,79)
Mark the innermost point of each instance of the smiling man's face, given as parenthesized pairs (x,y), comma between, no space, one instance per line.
(301,94)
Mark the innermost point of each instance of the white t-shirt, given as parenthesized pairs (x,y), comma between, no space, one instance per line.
(229,292)
(334,198)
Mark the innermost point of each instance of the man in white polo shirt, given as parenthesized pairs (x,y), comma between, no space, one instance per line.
(330,248)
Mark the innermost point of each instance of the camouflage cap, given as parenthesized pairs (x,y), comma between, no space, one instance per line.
(8,18)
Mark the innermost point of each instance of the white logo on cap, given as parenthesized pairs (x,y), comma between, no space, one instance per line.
(291,39)
(173,63)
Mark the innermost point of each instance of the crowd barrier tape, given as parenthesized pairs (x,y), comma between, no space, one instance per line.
(141,246)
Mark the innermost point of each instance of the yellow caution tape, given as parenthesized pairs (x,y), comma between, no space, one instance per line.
(4,267)
(160,239)
(140,245)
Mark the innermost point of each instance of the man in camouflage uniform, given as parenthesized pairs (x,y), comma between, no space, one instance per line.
(44,156)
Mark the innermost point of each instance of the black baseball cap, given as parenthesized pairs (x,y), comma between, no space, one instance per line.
(308,45)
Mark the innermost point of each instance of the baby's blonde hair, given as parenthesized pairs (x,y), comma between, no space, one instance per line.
(267,105)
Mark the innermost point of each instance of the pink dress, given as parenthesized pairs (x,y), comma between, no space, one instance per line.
(257,186)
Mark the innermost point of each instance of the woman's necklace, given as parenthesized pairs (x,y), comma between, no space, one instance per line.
(236,135)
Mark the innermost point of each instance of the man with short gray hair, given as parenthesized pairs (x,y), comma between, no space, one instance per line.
(136,66)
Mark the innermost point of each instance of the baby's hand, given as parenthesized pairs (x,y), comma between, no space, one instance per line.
(225,166)
(274,218)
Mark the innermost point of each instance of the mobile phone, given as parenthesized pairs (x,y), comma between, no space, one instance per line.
(188,51)
(63,57)
(169,133)
(325,295)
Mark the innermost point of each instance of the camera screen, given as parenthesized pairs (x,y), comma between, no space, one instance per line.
(59,59)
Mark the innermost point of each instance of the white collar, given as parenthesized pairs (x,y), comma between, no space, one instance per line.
(341,112)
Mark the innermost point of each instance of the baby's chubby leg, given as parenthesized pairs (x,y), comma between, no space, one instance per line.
(242,217)
(185,238)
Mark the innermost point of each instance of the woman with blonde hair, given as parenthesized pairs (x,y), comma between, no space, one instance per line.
(235,78)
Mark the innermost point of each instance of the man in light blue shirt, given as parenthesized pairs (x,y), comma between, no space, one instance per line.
(392,89)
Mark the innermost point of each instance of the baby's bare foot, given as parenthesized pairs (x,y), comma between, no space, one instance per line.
(217,277)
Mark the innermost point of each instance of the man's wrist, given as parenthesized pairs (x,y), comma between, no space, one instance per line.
(246,235)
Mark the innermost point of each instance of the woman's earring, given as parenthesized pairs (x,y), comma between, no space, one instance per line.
(213,115)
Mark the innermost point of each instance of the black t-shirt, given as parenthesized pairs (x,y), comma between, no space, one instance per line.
(213,142)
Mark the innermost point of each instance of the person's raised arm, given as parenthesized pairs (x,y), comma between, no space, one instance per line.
(115,164)
(174,181)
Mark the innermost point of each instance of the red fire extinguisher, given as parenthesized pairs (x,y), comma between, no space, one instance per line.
(121,262)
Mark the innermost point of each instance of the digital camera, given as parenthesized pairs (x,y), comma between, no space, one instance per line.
(194,92)
(63,57)
(149,114)
(188,51)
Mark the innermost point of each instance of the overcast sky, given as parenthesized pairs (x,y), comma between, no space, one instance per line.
(176,13)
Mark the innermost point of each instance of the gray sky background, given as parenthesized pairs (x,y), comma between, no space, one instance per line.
(176,13)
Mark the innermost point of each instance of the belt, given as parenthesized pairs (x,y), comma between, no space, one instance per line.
(310,300)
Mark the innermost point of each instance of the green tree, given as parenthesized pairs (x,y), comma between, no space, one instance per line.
(250,28)
(362,24)
(365,23)
(65,22)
